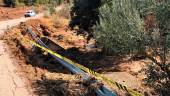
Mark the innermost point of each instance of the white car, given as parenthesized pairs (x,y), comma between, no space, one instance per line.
(30,13)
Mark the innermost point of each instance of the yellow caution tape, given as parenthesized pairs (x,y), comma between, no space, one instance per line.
(97,75)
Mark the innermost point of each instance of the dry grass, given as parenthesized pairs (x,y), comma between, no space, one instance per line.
(64,12)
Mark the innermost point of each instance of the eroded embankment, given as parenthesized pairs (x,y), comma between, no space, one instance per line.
(46,75)
(39,67)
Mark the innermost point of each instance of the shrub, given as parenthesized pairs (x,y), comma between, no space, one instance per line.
(128,26)
(13,3)
(120,29)
(158,73)
(56,21)
(46,14)
(20,4)
(65,11)
(52,10)
(9,3)
(84,14)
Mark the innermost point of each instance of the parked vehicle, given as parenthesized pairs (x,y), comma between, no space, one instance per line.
(30,13)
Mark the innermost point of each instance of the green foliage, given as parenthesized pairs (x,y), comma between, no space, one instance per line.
(120,30)
(13,3)
(9,3)
(84,14)
(128,26)
(52,10)
(20,4)
(158,73)
(46,14)
(53,2)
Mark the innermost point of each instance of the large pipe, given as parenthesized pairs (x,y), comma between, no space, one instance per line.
(103,91)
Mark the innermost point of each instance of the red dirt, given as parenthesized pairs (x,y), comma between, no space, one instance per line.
(46,76)
(7,13)
(55,28)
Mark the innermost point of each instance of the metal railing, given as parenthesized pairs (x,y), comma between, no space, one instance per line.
(102,91)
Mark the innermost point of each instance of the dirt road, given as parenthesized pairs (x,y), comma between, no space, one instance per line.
(4,25)
(11,81)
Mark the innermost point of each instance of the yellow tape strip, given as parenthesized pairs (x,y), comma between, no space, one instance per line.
(97,75)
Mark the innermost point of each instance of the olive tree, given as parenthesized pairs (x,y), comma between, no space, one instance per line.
(120,29)
(139,27)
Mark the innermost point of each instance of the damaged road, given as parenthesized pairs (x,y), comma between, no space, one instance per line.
(22,80)
(12,84)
